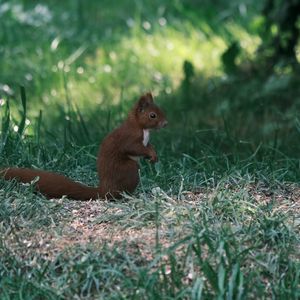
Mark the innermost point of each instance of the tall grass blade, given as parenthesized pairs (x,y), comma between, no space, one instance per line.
(38,127)
(5,126)
(87,138)
(197,289)
(24,104)
(232,281)
(221,281)
(210,275)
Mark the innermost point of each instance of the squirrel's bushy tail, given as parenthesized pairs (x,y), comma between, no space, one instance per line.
(52,185)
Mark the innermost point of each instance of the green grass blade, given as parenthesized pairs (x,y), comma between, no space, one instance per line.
(24,112)
(197,289)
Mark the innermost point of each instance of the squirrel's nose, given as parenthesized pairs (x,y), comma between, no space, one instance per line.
(165,123)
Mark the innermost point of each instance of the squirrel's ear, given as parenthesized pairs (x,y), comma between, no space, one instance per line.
(145,101)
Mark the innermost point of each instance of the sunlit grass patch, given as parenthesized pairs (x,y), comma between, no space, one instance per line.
(140,52)
(156,58)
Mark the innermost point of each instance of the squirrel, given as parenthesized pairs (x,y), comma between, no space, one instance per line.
(117,160)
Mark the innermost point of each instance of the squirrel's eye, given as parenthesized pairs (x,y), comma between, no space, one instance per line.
(152,115)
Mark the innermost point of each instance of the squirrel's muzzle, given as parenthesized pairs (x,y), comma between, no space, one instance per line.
(163,124)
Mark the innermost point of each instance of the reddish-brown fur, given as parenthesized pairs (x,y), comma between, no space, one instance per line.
(117,171)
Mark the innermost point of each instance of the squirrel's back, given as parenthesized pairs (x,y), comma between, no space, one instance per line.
(116,170)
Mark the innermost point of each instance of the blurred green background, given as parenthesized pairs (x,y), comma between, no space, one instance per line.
(226,73)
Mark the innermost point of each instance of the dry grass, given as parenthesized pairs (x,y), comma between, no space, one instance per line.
(83,228)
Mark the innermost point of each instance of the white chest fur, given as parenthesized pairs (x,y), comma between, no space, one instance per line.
(146,137)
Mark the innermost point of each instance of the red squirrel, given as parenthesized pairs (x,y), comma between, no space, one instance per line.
(117,161)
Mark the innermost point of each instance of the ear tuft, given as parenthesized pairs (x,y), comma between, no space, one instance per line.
(144,101)
(149,97)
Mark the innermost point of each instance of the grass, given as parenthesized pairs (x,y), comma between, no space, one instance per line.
(216,218)
(231,241)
